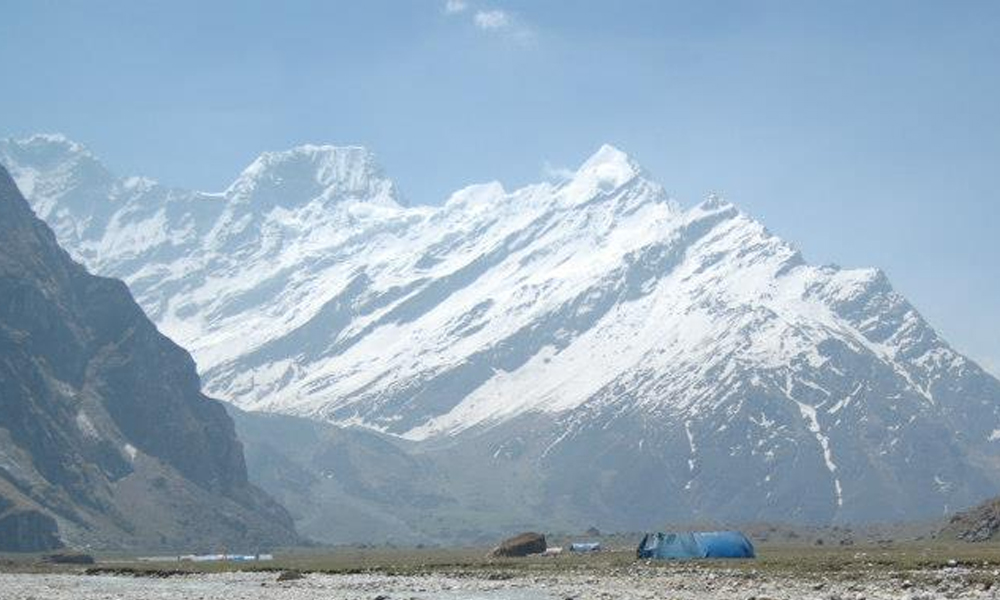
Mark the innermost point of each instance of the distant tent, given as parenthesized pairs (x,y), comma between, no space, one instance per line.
(696,544)
(585,547)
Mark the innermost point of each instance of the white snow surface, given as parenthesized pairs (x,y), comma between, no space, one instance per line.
(308,287)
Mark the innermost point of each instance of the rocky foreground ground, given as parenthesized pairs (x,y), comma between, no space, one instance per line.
(680,583)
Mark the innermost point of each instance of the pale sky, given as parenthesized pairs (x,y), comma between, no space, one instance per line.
(865,133)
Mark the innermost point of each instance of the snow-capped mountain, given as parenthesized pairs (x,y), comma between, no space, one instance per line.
(625,348)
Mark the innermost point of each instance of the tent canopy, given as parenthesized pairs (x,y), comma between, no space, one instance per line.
(695,544)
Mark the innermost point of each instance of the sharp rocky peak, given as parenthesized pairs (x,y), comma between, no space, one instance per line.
(610,159)
(607,170)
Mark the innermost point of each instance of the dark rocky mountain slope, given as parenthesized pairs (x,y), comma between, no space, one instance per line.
(105,438)
(977,524)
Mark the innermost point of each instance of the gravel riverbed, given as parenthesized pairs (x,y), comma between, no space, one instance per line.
(700,584)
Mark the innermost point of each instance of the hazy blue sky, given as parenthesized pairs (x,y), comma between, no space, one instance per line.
(867,133)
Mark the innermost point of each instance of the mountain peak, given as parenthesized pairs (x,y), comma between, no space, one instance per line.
(47,166)
(714,202)
(49,140)
(45,149)
(610,166)
(607,154)
(606,170)
(303,173)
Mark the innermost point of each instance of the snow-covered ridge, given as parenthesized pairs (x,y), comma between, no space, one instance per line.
(308,288)
(315,171)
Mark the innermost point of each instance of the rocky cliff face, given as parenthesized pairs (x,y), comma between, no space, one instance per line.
(26,529)
(104,434)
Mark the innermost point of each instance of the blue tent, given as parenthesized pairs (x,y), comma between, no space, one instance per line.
(696,544)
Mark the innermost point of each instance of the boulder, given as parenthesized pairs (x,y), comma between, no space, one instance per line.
(523,544)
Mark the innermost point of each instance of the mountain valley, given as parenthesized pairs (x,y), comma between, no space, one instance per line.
(568,354)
